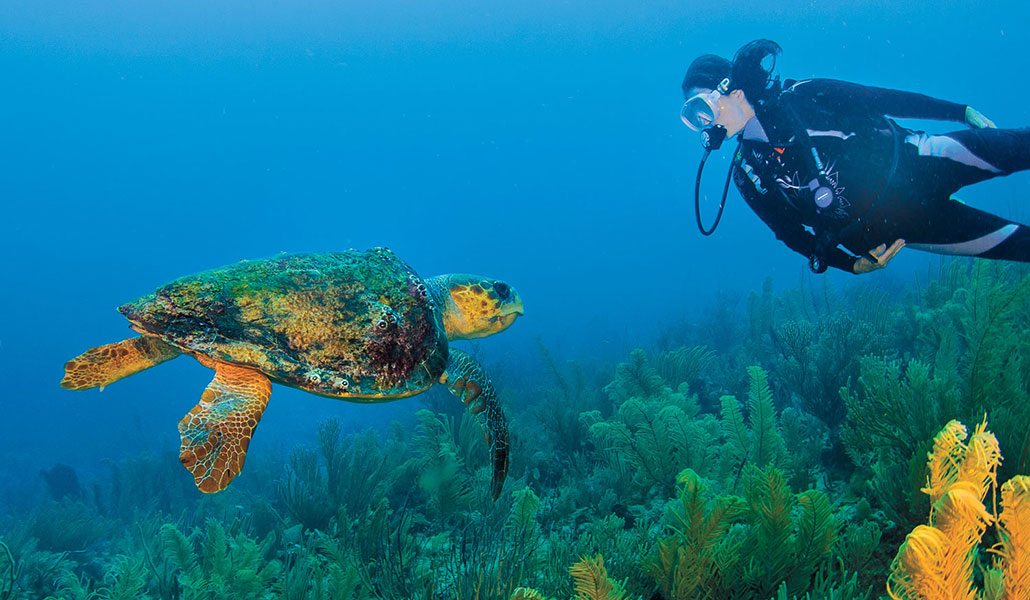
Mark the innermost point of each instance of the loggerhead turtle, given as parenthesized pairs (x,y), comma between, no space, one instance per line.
(358,326)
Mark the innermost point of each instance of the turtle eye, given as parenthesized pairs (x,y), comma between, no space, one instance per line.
(503,290)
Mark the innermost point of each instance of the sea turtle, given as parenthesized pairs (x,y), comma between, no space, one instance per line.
(358,326)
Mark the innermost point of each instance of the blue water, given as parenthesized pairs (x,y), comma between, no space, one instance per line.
(533,141)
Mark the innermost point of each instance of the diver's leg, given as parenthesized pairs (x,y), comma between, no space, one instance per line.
(951,227)
(973,155)
(1015,247)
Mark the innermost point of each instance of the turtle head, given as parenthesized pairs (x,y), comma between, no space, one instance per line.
(474,306)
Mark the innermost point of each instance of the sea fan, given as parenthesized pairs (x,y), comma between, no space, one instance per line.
(738,441)
(635,378)
(178,547)
(816,531)
(592,582)
(523,593)
(771,504)
(767,444)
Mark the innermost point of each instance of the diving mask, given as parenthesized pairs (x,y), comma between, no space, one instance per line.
(701,110)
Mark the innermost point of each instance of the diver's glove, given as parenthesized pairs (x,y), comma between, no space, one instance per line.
(976,120)
(882,254)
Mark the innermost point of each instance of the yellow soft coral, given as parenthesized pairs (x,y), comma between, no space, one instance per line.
(918,565)
(1014,530)
(936,561)
(942,468)
(980,465)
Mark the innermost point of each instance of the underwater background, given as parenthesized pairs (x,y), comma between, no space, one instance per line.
(537,142)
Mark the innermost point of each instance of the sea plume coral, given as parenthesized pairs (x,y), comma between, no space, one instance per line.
(591,580)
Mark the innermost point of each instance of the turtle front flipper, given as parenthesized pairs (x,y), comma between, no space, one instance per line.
(466,380)
(216,433)
(104,365)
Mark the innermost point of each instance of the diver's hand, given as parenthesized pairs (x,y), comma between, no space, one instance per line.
(976,120)
(883,255)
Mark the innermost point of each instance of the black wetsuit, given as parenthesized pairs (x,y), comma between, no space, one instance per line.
(890,182)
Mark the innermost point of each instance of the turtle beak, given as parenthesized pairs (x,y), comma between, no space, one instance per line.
(505,321)
(510,310)
(513,306)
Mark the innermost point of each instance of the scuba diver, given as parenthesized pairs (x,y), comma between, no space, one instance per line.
(823,165)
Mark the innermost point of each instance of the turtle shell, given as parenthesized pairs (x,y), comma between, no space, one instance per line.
(345,324)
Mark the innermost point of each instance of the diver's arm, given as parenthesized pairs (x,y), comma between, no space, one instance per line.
(773,208)
(882,255)
(851,97)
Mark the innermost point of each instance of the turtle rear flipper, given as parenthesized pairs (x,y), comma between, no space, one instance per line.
(216,432)
(466,379)
(104,365)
